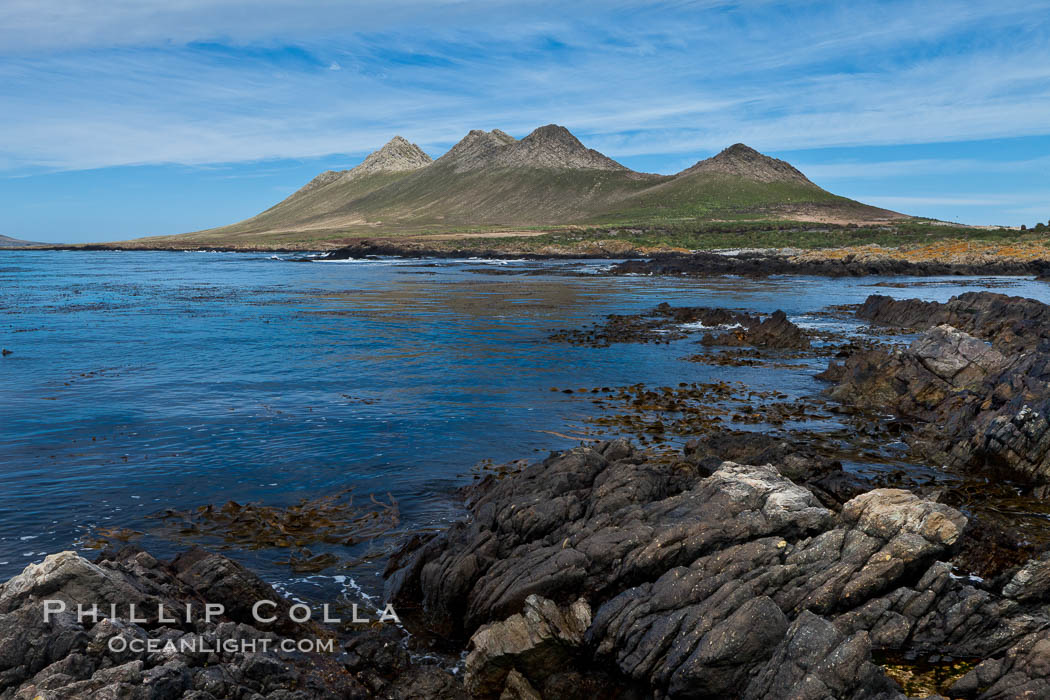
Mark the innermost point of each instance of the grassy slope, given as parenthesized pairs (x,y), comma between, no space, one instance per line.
(437,197)
(306,207)
(699,197)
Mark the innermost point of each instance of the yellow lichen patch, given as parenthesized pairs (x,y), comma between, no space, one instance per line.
(925,678)
(945,251)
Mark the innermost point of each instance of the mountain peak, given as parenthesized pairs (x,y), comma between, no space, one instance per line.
(550,146)
(553,133)
(476,149)
(554,146)
(743,161)
(398,155)
(739,150)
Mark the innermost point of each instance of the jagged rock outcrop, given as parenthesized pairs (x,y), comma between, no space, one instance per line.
(602,572)
(1010,323)
(736,584)
(1022,672)
(971,405)
(822,476)
(165,655)
(776,331)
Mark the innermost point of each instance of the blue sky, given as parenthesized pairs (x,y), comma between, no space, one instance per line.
(133,117)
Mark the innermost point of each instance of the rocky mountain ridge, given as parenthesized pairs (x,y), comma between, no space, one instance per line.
(491,179)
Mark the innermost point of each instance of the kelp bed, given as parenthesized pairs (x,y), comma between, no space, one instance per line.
(661,415)
(334,519)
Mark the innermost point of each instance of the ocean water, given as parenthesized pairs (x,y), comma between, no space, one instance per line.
(145,381)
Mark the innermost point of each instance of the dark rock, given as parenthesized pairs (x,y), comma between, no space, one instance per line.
(761,264)
(774,332)
(736,584)
(815,661)
(64,657)
(663,324)
(823,476)
(1012,324)
(537,643)
(666,323)
(1023,671)
(973,406)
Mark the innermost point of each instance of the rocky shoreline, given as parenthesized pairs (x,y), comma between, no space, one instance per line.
(746,565)
(749,263)
(826,263)
(928,261)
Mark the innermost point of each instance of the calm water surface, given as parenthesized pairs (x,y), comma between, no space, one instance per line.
(142,381)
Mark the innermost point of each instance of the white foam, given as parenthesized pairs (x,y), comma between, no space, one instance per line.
(699,326)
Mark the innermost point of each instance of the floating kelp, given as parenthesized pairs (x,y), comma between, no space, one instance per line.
(663,324)
(306,562)
(746,357)
(487,467)
(661,414)
(109,536)
(332,519)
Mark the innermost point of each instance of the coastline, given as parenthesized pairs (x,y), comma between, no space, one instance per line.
(948,258)
(560,568)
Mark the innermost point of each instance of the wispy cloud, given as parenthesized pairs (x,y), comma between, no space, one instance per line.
(88,85)
(933,166)
(972,200)
(195,82)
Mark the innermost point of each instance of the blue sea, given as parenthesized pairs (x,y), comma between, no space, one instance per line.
(145,381)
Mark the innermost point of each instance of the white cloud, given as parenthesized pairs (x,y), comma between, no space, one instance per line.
(294,79)
(931,166)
